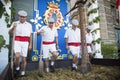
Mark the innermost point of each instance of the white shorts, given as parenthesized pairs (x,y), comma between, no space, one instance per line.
(47,49)
(75,50)
(21,47)
(89,50)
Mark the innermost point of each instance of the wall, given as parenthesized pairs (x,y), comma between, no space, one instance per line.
(107,13)
(4,32)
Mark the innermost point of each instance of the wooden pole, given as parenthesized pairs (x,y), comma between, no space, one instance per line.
(80,4)
(82,22)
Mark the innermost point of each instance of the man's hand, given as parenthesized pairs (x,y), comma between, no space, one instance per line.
(57,46)
(14,25)
(67,47)
(58,49)
(40,32)
(30,47)
(12,29)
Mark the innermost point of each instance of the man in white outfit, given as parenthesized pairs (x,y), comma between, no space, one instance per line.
(89,40)
(22,41)
(73,40)
(49,43)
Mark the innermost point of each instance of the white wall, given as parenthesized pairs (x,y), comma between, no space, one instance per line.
(4,32)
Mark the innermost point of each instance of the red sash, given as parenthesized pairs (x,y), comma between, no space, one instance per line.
(46,43)
(74,44)
(21,38)
(88,44)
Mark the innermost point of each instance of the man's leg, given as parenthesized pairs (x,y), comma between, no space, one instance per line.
(17,64)
(90,56)
(54,56)
(23,66)
(47,64)
(17,61)
(75,62)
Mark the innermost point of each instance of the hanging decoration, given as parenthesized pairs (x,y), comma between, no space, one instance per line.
(54,8)
(93,22)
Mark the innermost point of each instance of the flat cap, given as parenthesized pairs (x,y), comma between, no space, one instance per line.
(22,13)
(75,22)
(51,19)
(88,27)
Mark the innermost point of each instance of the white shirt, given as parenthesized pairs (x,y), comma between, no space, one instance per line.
(23,29)
(73,35)
(89,38)
(49,34)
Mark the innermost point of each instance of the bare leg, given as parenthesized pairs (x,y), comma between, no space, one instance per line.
(75,59)
(54,56)
(23,65)
(75,62)
(90,56)
(47,64)
(17,59)
(89,67)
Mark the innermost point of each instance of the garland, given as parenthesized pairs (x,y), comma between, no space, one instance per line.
(2,9)
(89,4)
(7,19)
(92,11)
(3,12)
(96,41)
(95,30)
(95,20)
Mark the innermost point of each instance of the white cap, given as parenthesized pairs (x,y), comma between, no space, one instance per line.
(51,19)
(89,28)
(22,13)
(75,22)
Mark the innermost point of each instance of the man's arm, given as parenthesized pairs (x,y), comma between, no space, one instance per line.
(30,42)
(13,28)
(57,41)
(66,41)
(41,31)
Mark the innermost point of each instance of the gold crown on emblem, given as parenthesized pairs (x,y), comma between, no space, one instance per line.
(53,5)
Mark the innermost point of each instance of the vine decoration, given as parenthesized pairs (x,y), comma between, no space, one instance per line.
(92,11)
(95,30)
(3,11)
(95,10)
(89,4)
(95,20)
(96,41)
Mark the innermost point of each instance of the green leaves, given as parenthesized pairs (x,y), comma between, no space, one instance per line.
(96,20)
(2,41)
(95,30)
(3,12)
(96,41)
(92,11)
(2,9)
(109,51)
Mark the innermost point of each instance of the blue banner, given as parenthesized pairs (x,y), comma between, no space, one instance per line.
(42,11)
